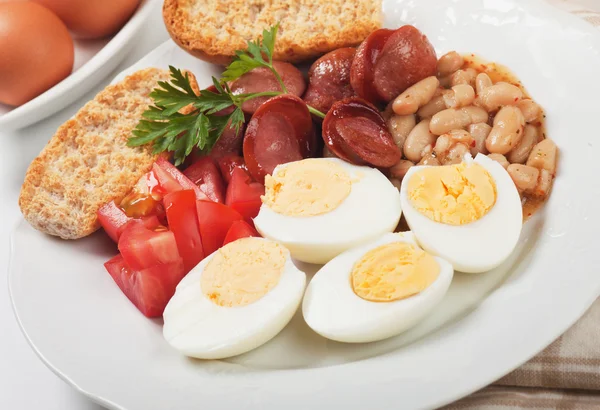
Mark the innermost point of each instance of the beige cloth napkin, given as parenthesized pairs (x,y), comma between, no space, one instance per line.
(566,375)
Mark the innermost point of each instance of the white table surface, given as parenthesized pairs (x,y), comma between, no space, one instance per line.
(25,383)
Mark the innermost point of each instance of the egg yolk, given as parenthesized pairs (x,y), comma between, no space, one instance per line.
(392,272)
(243,271)
(307,188)
(454,195)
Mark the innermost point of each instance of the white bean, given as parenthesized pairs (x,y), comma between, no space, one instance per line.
(434,106)
(482,81)
(418,141)
(499,158)
(544,185)
(524,177)
(520,153)
(453,119)
(397,183)
(543,156)
(507,130)
(499,95)
(464,77)
(446,82)
(477,114)
(429,159)
(399,170)
(530,109)
(479,132)
(416,96)
(400,126)
(451,148)
(459,96)
(449,63)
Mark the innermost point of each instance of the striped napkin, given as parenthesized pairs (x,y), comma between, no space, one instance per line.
(566,375)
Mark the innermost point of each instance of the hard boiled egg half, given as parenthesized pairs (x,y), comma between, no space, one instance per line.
(320,207)
(235,300)
(375,291)
(469,214)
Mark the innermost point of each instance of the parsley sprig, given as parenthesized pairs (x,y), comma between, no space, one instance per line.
(169,130)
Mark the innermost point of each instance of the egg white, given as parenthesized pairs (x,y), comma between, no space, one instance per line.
(332,309)
(478,246)
(370,210)
(199,328)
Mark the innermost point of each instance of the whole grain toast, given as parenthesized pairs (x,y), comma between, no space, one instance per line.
(87,162)
(213,29)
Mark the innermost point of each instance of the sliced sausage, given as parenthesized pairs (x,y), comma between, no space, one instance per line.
(262,79)
(406,58)
(361,72)
(230,142)
(356,132)
(329,79)
(228,163)
(280,131)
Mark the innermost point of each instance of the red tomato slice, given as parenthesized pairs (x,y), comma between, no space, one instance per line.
(205,174)
(112,218)
(228,163)
(171,179)
(239,230)
(243,195)
(214,220)
(148,289)
(143,248)
(183,222)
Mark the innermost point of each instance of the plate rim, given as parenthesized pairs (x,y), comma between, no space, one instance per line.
(581,309)
(78,83)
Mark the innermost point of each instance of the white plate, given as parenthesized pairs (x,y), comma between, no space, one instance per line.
(85,329)
(94,60)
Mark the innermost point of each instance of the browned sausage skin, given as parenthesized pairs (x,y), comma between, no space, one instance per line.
(329,79)
(361,72)
(406,58)
(356,132)
(262,79)
(280,131)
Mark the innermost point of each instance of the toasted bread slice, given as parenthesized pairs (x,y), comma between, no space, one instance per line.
(87,162)
(213,29)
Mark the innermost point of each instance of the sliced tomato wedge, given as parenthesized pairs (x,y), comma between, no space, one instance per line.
(148,289)
(243,194)
(205,174)
(171,179)
(183,222)
(214,220)
(144,247)
(239,230)
(228,163)
(112,219)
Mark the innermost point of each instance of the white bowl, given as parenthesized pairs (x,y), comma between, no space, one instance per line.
(94,60)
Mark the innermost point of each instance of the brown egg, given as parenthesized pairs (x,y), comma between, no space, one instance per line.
(92,18)
(36,51)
